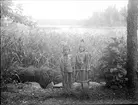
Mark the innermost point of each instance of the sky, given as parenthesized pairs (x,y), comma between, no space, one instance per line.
(73,9)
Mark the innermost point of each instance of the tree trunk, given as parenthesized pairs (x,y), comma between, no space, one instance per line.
(132,47)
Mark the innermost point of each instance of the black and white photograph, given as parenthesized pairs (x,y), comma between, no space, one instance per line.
(69,52)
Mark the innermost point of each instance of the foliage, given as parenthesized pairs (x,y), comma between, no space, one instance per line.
(113,63)
(15,15)
(110,17)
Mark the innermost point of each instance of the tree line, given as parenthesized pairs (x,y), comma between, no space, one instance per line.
(110,17)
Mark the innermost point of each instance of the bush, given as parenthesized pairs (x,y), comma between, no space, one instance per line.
(113,63)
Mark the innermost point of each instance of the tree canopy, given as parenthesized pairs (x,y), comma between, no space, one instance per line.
(110,17)
(14,12)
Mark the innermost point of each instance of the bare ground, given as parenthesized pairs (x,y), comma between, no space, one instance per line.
(32,94)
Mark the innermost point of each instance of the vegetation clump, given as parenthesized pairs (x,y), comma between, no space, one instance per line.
(113,64)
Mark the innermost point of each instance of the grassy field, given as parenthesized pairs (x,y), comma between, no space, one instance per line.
(32,94)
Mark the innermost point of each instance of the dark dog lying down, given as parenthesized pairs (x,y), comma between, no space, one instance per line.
(43,76)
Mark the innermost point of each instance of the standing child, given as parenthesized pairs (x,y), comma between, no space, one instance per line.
(66,69)
(82,64)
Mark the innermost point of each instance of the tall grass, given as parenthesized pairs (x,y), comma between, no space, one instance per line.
(21,46)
